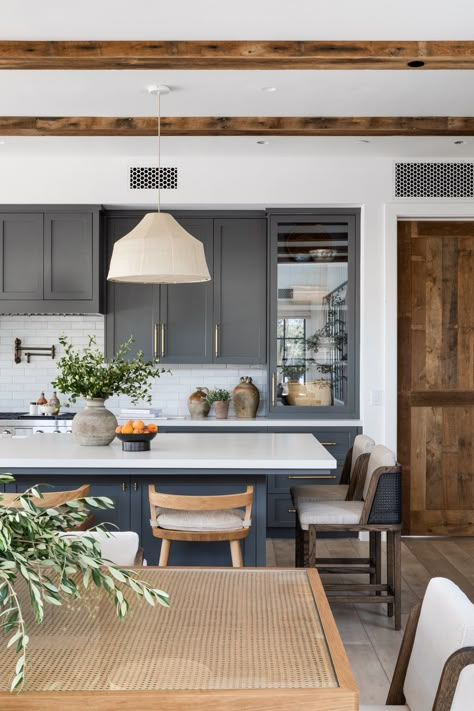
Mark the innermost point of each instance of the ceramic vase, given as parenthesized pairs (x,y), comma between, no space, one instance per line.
(246,398)
(197,405)
(221,408)
(94,425)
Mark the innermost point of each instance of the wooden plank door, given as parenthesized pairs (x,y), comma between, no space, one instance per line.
(436,376)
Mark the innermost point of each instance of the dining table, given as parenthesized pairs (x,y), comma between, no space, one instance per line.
(248,639)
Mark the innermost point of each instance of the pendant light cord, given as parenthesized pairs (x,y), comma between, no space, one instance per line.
(159,151)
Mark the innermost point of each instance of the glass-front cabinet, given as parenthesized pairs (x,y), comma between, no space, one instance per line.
(314,314)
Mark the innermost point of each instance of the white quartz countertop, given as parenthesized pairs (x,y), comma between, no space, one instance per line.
(204,450)
(212,422)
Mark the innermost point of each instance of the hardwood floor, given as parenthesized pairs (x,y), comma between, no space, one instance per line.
(368,635)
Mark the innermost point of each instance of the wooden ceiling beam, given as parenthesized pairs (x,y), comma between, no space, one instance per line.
(239,126)
(236,55)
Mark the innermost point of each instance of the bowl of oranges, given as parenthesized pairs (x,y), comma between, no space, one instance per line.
(135,435)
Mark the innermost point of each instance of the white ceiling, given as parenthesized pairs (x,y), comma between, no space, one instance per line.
(144,149)
(237,93)
(319,93)
(245,19)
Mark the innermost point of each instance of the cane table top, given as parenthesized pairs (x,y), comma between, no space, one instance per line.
(247,629)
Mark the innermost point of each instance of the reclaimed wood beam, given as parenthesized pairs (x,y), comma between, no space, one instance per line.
(156,54)
(238,126)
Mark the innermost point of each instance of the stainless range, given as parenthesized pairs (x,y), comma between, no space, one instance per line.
(20,424)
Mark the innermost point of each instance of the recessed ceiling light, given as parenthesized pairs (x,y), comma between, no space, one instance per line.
(459,143)
(269,89)
(263,143)
(362,140)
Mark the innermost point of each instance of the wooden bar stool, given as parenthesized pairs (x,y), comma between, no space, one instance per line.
(51,499)
(200,518)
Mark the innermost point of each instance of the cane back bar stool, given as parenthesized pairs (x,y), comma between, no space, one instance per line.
(435,665)
(351,480)
(379,510)
(201,518)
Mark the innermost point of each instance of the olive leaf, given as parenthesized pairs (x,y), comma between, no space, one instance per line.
(54,566)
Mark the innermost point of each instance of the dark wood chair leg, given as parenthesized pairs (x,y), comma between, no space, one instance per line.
(397,574)
(390,571)
(311,547)
(299,545)
(378,559)
(372,555)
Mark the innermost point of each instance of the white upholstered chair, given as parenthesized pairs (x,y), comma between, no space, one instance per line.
(435,666)
(121,548)
(347,489)
(201,518)
(379,510)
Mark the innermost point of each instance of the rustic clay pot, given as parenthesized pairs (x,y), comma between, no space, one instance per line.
(221,408)
(197,405)
(246,398)
(94,425)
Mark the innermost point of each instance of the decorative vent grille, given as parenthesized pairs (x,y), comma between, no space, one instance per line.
(147,178)
(434,180)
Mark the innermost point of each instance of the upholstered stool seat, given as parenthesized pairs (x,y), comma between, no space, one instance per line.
(321,492)
(179,520)
(349,487)
(323,512)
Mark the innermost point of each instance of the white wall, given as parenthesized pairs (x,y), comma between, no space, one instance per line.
(22,383)
(248,181)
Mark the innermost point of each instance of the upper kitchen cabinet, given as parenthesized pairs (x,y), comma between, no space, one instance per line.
(185,319)
(314,306)
(221,321)
(50,261)
(240,290)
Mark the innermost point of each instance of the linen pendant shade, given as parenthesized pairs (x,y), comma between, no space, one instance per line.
(158,251)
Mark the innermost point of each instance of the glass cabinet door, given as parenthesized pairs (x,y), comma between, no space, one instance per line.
(313,334)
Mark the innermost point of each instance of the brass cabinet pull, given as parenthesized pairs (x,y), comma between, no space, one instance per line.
(216,340)
(273,388)
(312,476)
(291,510)
(163,349)
(328,444)
(124,486)
(135,486)
(155,341)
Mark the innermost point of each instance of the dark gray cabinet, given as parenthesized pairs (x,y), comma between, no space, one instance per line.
(21,257)
(131,308)
(51,260)
(221,321)
(240,290)
(185,320)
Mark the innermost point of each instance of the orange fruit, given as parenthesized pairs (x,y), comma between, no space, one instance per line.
(138,424)
(118,429)
(152,427)
(127,429)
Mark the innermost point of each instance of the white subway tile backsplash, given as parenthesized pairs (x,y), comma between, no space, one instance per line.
(22,383)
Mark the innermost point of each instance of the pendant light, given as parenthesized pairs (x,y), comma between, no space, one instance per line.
(158,250)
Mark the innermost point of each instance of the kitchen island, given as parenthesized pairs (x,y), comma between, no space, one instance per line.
(201,463)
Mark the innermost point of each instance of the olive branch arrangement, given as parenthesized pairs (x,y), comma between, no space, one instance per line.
(55,567)
(86,372)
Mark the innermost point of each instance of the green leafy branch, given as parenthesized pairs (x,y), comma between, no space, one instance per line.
(86,372)
(35,551)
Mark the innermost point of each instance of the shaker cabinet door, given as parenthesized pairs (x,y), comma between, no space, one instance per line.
(21,256)
(132,309)
(71,255)
(185,327)
(240,290)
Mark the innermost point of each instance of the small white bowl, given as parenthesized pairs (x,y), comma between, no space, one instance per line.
(46,409)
